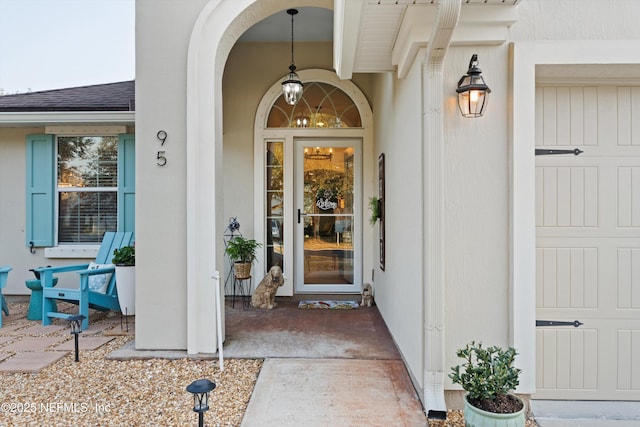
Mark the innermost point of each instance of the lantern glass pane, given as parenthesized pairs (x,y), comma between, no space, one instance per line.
(200,402)
(472,103)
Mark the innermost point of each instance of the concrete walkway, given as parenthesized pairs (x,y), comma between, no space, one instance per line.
(321,368)
(333,392)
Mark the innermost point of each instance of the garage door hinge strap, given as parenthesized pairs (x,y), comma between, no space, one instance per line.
(575,323)
(544,152)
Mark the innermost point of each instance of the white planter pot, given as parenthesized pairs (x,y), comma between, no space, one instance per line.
(126,286)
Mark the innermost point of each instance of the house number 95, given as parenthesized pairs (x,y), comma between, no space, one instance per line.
(162,137)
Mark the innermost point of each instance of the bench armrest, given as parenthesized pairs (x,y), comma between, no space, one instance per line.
(46,273)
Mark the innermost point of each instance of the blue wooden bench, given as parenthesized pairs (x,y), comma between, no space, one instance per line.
(85,295)
(4,273)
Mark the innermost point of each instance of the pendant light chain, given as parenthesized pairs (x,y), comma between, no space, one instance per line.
(292,86)
(292,63)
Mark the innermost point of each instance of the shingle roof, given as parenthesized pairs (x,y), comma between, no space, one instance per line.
(104,97)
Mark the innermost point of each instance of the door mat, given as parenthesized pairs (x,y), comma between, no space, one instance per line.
(329,304)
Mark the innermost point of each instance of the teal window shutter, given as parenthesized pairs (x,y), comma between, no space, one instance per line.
(126,182)
(40,190)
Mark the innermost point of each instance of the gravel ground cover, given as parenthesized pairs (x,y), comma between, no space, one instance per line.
(99,392)
(456,419)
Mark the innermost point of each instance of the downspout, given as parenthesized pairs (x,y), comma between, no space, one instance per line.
(433,206)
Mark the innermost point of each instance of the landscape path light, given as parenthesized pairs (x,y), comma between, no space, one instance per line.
(200,390)
(76,328)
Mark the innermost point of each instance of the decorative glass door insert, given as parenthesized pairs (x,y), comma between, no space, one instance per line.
(327,216)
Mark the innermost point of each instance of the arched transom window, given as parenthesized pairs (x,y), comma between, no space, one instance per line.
(322,106)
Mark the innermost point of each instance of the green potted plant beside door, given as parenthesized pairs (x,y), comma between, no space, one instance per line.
(488,376)
(242,252)
(125,262)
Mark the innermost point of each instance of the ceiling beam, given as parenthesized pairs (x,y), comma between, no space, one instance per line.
(479,25)
(346,26)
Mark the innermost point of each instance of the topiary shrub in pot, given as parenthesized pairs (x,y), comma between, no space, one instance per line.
(488,376)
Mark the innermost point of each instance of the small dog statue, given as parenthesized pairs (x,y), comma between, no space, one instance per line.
(265,294)
(367,295)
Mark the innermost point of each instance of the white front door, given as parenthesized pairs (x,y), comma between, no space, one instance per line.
(328,229)
(588,243)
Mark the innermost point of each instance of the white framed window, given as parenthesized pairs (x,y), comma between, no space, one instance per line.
(86,188)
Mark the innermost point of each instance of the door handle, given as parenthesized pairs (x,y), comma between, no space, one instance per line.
(300,214)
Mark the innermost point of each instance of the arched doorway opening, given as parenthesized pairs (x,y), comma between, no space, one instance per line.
(215,31)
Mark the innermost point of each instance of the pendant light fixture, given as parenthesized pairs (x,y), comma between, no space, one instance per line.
(473,92)
(292,86)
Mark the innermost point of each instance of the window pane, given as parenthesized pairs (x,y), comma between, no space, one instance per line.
(322,106)
(84,217)
(328,180)
(275,247)
(274,201)
(87,161)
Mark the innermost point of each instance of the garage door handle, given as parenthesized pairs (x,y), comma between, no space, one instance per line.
(543,152)
(575,323)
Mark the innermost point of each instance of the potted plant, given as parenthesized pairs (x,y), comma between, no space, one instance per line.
(375,206)
(488,376)
(125,256)
(125,261)
(242,252)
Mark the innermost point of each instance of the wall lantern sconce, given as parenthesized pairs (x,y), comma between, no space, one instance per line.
(200,390)
(292,86)
(75,321)
(473,92)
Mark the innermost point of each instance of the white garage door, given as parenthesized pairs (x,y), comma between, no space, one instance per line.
(588,243)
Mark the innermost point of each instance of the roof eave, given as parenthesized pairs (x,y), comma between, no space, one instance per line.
(10,119)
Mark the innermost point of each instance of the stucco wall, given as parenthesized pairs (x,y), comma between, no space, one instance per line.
(475,211)
(577,20)
(163,30)
(399,288)
(476,208)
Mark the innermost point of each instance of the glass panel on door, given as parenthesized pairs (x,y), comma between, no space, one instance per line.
(327,215)
(275,204)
